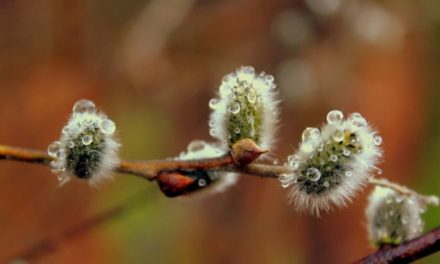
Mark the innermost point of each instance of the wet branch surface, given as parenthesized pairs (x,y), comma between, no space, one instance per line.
(412,250)
(239,161)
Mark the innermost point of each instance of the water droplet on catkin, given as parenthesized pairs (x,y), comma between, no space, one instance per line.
(61,177)
(358,120)
(310,133)
(202,182)
(234,108)
(213,103)
(334,117)
(53,148)
(107,126)
(87,140)
(252,97)
(84,106)
(313,174)
(377,140)
(339,136)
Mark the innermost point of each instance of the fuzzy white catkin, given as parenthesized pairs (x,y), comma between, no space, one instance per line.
(219,181)
(332,163)
(246,107)
(87,148)
(393,218)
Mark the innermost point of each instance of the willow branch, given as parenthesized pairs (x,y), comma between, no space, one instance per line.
(424,199)
(240,160)
(410,251)
(237,161)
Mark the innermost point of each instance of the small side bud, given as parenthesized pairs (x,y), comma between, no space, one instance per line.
(246,108)
(87,148)
(393,218)
(246,151)
(174,184)
(332,163)
(188,182)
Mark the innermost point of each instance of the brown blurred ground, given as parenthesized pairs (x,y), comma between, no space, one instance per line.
(153,66)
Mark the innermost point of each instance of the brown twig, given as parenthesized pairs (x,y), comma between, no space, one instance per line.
(410,251)
(239,161)
(151,169)
(423,199)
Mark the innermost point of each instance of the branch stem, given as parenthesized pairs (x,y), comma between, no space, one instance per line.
(424,199)
(409,251)
(150,169)
(412,250)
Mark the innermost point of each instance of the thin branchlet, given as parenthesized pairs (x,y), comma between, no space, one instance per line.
(412,250)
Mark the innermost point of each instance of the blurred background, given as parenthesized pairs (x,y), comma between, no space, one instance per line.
(153,66)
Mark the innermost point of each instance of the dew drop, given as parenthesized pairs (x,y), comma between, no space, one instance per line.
(346,152)
(202,182)
(87,140)
(252,97)
(84,106)
(61,177)
(334,158)
(286,177)
(358,120)
(307,147)
(213,103)
(339,136)
(348,173)
(248,70)
(107,126)
(334,117)
(71,144)
(65,130)
(53,148)
(326,184)
(313,174)
(285,184)
(269,78)
(234,108)
(310,133)
(293,161)
(196,145)
(237,130)
(377,140)
(57,166)
(61,154)
(212,132)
